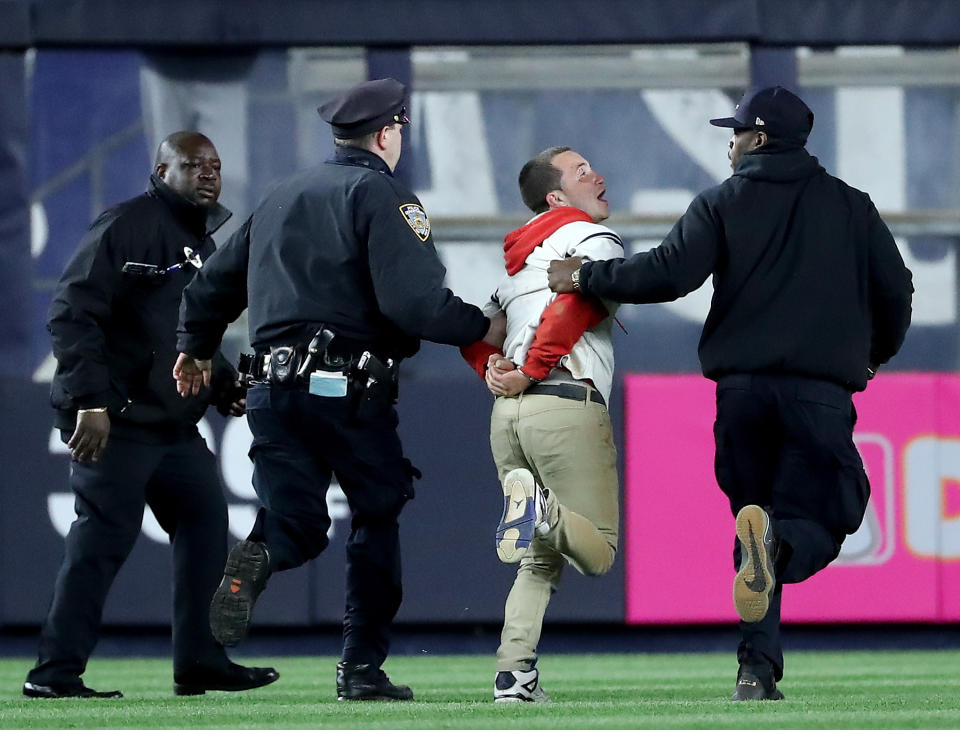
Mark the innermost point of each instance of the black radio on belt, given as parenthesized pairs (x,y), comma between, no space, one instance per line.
(283,365)
(379,385)
(301,364)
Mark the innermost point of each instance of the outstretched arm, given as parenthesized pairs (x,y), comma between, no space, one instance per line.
(680,264)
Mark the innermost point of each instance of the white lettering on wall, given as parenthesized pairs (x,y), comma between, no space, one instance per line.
(462,174)
(883,176)
(930,465)
(875,542)
(873,158)
(236,470)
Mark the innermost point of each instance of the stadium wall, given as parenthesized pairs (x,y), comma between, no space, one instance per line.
(76,124)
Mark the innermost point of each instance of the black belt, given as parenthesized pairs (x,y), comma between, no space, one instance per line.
(566,390)
(259,363)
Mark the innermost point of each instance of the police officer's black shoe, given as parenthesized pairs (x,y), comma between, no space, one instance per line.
(367,682)
(756,579)
(56,691)
(755,683)
(232,678)
(244,577)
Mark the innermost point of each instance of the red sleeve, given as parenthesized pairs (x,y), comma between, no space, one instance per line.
(563,323)
(477,354)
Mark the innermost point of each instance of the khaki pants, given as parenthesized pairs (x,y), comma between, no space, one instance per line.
(568,446)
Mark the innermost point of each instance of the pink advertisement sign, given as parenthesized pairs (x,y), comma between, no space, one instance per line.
(902,565)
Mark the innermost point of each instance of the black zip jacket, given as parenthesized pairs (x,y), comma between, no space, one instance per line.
(807,278)
(343,244)
(114,333)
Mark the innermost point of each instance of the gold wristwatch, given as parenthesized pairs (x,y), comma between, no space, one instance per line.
(575,277)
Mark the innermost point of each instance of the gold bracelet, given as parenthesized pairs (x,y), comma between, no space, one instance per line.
(102,409)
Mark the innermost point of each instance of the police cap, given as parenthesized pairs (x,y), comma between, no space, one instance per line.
(366,108)
(773,110)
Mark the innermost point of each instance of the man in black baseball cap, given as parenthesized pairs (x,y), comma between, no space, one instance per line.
(774,110)
(767,117)
(810,296)
(366,108)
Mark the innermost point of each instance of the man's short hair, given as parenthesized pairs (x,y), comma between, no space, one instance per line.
(365,142)
(538,177)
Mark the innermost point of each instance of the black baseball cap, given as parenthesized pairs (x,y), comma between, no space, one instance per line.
(366,108)
(774,110)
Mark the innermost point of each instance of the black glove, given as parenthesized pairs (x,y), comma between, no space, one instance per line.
(227,398)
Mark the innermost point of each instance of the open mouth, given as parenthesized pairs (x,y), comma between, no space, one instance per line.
(602,197)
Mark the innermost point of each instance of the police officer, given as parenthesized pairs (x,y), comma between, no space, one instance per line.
(133,440)
(342,281)
(810,296)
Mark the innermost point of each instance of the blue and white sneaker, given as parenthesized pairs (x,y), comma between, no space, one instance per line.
(519,686)
(524,515)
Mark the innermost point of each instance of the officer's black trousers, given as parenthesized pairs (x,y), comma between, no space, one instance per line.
(786,443)
(180,483)
(299,442)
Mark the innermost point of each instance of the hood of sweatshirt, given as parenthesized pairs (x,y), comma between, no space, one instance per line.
(518,244)
(777,162)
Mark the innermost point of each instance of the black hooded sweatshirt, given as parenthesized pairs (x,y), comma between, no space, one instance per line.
(807,277)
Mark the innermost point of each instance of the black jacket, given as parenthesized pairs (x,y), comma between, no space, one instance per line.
(807,278)
(114,333)
(345,245)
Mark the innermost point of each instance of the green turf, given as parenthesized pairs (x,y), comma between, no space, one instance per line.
(824,690)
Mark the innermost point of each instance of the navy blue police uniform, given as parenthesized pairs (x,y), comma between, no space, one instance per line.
(113,326)
(810,296)
(339,274)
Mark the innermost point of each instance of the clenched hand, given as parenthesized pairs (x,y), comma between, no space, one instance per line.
(559,272)
(502,377)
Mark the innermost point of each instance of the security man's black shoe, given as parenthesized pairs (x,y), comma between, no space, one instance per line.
(232,678)
(57,691)
(755,683)
(755,580)
(244,577)
(367,682)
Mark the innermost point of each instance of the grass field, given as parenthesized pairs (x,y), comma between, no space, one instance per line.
(909,689)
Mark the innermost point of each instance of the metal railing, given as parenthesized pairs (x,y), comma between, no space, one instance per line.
(691,66)
(941,223)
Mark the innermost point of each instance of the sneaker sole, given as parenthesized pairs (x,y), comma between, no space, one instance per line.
(517,525)
(755,580)
(539,697)
(231,608)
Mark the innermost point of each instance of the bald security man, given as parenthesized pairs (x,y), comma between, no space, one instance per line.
(133,441)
